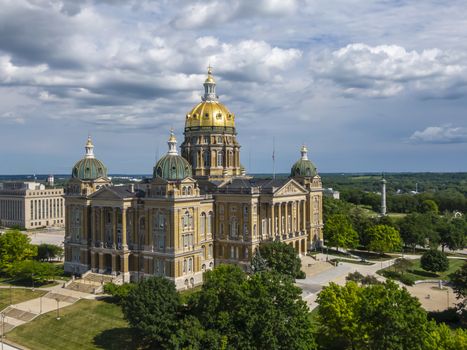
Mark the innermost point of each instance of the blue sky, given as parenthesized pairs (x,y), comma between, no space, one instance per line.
(367,86)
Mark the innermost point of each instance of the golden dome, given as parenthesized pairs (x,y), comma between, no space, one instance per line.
(209,114)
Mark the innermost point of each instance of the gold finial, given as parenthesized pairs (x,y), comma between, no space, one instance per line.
(209,69)
(172,136)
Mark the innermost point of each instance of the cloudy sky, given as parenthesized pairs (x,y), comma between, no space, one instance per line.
(367,85)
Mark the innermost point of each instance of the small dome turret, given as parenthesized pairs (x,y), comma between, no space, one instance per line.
(172,166)
(303,167)
(89,168)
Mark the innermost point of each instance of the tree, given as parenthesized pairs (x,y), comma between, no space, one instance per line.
(458,281)
(32,270)
(48,252)
(429,206)
(452,233)
(401,265)
(383,238)
(152,309)
(415,229)
(380,316)
(119,292)
(281,258)
(15,247)
(264,311)
(434,261)
(338,232)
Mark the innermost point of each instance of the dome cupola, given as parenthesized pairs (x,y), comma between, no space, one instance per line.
(303,167)
(89,168)
(209,112)
(172,166)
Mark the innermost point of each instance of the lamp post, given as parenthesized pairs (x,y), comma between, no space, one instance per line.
(2,315)
(11,297)
(447,295)
(40,306)
(58,308)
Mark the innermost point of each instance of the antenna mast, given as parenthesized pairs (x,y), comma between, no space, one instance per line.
(273,158)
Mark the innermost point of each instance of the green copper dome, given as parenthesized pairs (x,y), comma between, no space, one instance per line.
(172,166)
(89,168)
(303,167)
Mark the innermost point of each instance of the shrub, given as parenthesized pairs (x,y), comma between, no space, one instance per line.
(434,261)
(354,276)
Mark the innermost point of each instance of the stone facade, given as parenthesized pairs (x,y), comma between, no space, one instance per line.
(31,205)
(180,227)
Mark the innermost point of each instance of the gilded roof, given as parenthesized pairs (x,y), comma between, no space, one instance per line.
(209,114)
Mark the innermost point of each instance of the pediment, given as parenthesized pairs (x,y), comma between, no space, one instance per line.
(106,193)
(290,188)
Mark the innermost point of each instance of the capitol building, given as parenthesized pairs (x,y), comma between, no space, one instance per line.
(200,208)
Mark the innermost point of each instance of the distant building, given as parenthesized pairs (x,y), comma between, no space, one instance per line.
(31,205)
(332,193)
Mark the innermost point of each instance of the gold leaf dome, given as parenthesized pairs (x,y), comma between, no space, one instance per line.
(209,114)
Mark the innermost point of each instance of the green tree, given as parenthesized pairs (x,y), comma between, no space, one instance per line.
(338,232)
(383,238)
(15,247)
(401,265)
(264,311)
(452,233)
(380,316)
(458,281)
(281,258)
(152,309)
(32,270)
(48,252)
(415,229)
(442,337)
(429,206)
(119,292)
(434,261)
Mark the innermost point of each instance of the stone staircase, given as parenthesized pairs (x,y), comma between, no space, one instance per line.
(91,283)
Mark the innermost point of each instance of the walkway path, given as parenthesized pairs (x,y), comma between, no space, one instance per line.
(56,298)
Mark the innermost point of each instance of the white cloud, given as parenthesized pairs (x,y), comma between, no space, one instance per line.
(388,70)
(213,13)
(440,134)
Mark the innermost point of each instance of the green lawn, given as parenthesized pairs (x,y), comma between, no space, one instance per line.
(18,295)
(417,273)
(87,324)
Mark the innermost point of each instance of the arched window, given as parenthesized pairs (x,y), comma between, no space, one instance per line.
(220,158)
(183,191)
(203,224)
(207,159)
(209,222)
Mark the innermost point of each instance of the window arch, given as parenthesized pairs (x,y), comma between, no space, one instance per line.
(203,223)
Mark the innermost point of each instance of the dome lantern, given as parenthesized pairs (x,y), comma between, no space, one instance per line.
(210,87)
(89,149)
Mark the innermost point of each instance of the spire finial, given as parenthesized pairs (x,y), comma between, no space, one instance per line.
(209,69)
(89,148)
(172,143)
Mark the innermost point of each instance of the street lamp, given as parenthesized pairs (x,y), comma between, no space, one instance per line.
(2,315)
(58,308)
(40,307)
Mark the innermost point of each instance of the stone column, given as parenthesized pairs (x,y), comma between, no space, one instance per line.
(304,215)
(280,219)
(150,226)
(286,219)
(273,221)
(124,266)
(102,223)
(93,226)
(124,243)
(114,230)
(84,225)
(298,212)
(114,263)
(101,263)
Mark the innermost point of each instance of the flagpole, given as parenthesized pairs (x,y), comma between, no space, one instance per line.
(273,158)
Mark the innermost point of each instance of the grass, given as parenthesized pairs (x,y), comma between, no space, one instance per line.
(18,295)
(417,273)
(87,324)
